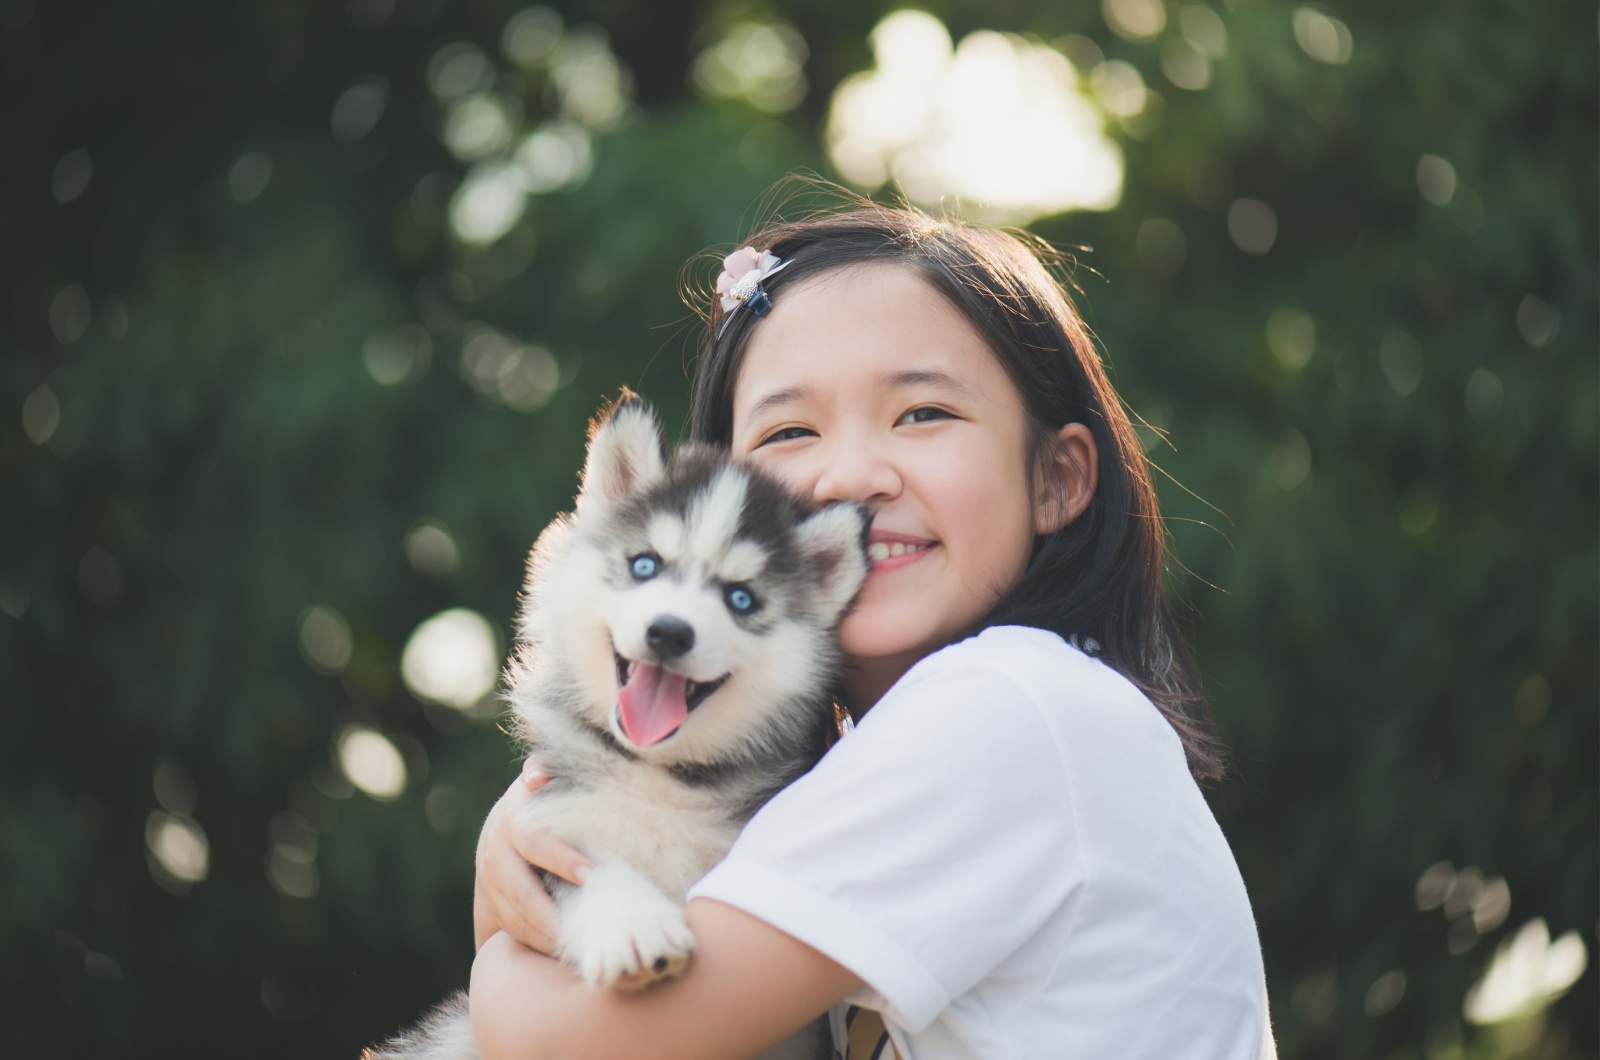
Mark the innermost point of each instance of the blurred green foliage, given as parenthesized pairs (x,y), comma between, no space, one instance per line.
(1382,460)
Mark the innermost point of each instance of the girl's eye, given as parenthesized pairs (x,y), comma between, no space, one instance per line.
(742,600)
(926,414)
(787,434)
(644,566)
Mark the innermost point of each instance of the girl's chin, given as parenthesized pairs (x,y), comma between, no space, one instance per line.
(874,633)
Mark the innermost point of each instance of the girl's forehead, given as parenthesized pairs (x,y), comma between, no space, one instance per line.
(859,323)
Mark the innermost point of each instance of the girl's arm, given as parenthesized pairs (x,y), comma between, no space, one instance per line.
(748,986)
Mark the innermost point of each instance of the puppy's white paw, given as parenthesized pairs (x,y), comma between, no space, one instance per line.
(633,947)
(629,941)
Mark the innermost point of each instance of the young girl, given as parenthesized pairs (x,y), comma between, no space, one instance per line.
(1008,856)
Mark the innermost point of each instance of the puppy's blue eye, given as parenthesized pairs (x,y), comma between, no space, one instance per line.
(741,600)
(643,567)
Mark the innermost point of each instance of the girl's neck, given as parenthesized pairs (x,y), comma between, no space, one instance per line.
(866,680)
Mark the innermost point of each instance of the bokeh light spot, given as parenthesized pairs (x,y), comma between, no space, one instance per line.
(325,639)
(71,176)
(358,109)
(398,355)
(531,35)
(1532,701)
(291,862)
(592,85)
(1492,905)
(368,14)
(1323,37)
(1384,993)
(1538,321)
(431,550)
(372,763)
(1436,179)
(1316,997)
(441,808)
(999,121)
(476,127)
(114,312)
(558,154)
(1134,19)
(457,69)
(41,414)
(174,788)
(100,577)
(1528,972)
(452,659)
(1292,337)
(283,1000)
(489,202)
(14,599)
(1185,65)
(1161,246)
(521,377)
(1484,394)
(1418,512)
(760,63)
(177,847)
(1119,88)
(249,176)
(1434,884)
(1290,463)
(1202,27)
(69,314)
(1400,357)
(1253,226)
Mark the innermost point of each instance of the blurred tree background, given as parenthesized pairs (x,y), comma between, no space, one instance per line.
(306,305)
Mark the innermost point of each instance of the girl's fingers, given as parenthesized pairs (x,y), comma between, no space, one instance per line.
(514,901)
(533,775)
(484,924)
(508,894)
(529,918)
(540,847)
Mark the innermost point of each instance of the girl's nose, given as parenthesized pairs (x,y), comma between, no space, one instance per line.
(855,470)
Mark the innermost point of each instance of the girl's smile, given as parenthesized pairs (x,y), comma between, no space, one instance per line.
(890,551)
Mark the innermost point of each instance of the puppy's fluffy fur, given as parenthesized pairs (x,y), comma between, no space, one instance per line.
(674,670)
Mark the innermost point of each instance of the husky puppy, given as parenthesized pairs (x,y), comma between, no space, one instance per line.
(675,660)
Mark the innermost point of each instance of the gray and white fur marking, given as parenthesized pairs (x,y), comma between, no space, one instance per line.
(747,688)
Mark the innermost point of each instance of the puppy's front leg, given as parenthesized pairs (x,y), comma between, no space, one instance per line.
(619,929)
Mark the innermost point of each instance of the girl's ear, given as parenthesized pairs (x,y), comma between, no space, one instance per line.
(1068,484)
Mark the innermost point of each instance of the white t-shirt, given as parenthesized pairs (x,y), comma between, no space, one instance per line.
(1011,853)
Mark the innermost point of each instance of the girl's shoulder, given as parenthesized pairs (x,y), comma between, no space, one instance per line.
(1029,678)
(1045,666)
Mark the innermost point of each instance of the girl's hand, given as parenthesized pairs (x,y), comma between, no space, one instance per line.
(508,895)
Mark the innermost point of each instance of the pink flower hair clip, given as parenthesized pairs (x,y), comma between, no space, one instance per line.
(740,281)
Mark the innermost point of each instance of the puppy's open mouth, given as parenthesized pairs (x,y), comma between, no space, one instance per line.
(653,702)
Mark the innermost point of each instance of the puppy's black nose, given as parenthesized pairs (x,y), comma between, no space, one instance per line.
(669,637)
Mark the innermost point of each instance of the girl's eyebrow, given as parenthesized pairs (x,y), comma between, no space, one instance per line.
(787,395)
(928,377)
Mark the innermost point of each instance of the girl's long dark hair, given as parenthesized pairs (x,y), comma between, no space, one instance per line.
(1098,579)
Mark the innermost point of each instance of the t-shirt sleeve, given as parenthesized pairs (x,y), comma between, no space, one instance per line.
(927,846)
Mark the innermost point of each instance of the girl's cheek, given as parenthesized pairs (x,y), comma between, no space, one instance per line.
(791,470)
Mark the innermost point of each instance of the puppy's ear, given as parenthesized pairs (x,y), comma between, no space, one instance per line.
(624,454)
(834,543)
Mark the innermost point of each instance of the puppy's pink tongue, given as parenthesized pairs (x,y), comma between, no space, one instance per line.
(652,704)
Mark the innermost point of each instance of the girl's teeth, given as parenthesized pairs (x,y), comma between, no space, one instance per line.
(883,550)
